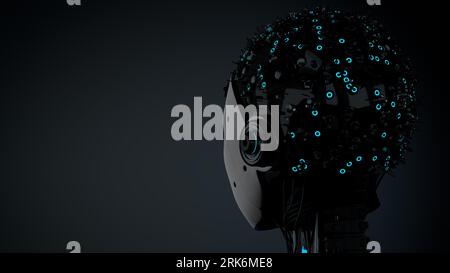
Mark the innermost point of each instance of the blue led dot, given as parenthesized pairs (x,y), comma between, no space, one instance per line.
(329,95)
(377,92)
(319,47)
(346,79)
(272,50)
(354,89)
(374,158)
(263,85)
(317,133)
(338,75)
(341,40)
(349,164)
(345,73)
(359,158)
(315,113)
(378,106)
(318,27)
(292,134)
(349,60)
(399,116)
(294,169)
(336,61)
(387,62)
(393,104)
(342,171)
(383,135)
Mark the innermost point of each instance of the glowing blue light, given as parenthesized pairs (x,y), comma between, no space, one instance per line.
(399,116)
(342,171)
(378,106)
(315,113)
(319,47)
(336,61)
(304,250)
(383,135)
(346,80)
(374,158)
(359,158)
(263,85)
(294,169)
(341,40)
(349,60)
(345,73)
(319,27)
(387,62)
(317,133)
(292,134)
(338,75)
(349,164)
(354,89)
(376,92)
(329,94)
(393,104)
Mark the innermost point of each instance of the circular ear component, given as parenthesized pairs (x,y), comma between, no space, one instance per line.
(250,146)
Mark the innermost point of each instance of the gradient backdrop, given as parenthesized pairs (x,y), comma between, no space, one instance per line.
(86,152)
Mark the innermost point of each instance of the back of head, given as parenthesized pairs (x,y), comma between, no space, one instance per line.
(347,106)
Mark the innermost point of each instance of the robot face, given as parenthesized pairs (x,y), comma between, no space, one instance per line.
(243,165)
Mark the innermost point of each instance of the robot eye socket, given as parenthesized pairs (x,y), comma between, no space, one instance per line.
(250,148)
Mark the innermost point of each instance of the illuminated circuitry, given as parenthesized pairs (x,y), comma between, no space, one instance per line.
(345,90)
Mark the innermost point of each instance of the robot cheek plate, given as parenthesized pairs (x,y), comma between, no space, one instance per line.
(243,180)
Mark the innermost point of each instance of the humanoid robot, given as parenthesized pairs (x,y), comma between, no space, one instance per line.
(346,95)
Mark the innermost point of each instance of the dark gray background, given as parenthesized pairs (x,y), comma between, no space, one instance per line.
(86,152)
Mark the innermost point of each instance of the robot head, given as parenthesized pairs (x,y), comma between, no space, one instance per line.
(347,104)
